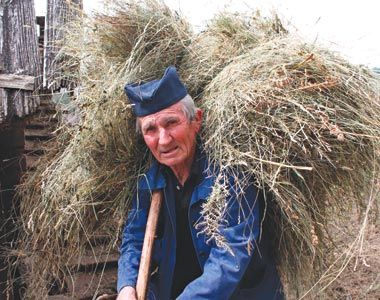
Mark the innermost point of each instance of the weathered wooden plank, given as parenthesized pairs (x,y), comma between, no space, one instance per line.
(19,54)
(12,81)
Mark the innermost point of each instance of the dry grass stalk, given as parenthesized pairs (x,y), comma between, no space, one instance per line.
(227,36)
(310,140)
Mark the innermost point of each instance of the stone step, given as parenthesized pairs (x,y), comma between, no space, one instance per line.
(33,145)
(40,134)
(46,109)
(31,161)
(59,297)
(96,259)
(90,285)
(43,118)
(36,125)
(46,105)
(46,101)
(107,297)
(39,123)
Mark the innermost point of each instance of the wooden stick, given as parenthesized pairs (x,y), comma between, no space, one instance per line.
(150,232)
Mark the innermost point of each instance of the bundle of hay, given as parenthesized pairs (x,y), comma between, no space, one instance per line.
(227,36)
(78,196)
(306,125)
(145,36)
(139,38)
(287,113)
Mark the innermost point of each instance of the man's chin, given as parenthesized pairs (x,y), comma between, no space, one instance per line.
(171,154)
(171,162)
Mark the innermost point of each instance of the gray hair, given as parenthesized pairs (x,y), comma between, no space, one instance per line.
(188,107)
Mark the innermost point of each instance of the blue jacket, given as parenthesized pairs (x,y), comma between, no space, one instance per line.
(241,272)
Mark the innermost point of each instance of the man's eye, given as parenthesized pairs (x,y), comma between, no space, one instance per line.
(172,122)
(148,130)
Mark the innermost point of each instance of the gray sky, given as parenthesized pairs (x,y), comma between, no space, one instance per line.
(350,27)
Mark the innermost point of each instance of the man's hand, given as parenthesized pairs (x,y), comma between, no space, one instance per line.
(127,293)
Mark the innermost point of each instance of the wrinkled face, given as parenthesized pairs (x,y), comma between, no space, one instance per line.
(170,136)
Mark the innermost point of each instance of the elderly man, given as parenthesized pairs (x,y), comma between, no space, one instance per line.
(189,267)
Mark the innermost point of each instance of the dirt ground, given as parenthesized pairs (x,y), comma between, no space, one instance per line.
(355,275)
(361,278)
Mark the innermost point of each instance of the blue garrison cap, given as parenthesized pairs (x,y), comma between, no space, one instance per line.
(153,96)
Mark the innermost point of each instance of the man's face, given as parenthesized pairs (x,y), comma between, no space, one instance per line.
(170,136)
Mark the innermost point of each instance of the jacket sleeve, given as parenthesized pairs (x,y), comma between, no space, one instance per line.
(224,268)
(132,241)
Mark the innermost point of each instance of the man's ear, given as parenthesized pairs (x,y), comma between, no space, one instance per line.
(198,119)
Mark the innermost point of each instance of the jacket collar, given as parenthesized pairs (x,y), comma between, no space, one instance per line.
(153,179)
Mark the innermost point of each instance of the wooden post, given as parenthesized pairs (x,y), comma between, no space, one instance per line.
(18,56)
(146,256)
(19,78)
(59,13)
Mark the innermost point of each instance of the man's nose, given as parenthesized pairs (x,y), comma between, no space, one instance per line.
(164,137)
